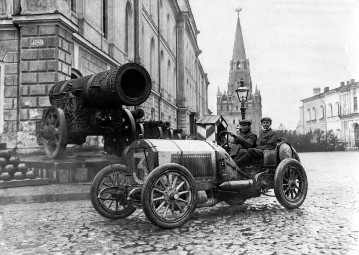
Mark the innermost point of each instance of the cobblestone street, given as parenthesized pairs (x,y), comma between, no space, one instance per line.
(327,222)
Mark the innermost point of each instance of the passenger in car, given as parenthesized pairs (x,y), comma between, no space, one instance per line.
(245,140)
(266,141)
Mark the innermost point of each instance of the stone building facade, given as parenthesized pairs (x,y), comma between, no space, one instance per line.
(45,41)
(228,104)
(333,110)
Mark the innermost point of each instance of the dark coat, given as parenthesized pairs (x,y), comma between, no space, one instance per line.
(245,140)
(267,140)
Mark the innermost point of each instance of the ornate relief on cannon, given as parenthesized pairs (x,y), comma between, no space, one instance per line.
(92,105)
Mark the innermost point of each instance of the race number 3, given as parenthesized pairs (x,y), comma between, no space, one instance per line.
(140,172)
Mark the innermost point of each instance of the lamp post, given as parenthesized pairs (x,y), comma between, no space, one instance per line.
(242,93)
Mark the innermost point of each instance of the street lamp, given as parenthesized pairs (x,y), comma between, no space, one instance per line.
(242,93)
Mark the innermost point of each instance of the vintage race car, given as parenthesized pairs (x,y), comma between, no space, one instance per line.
(169,179)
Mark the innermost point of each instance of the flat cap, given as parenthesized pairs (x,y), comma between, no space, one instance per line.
(266,119)
(245,122)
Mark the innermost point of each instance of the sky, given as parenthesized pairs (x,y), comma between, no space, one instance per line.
(293,46)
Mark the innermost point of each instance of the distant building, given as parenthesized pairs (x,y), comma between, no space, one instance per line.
(43,42)
(335,109)
(227,102)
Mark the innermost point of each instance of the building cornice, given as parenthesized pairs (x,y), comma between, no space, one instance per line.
(48,18)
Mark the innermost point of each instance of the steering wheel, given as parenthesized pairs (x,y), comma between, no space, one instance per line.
(223,140)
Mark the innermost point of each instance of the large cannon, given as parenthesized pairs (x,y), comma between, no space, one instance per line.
(92,105)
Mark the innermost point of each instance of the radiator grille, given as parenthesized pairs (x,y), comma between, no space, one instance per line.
(198,164)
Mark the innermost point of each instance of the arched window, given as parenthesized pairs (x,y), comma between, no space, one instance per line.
(356,135)
(238,65)
(337,109)
(330,109)
(143,40)
(168,28)
(227,107)
(321,112)
(152,58)
(314,115)
(128,28)
(162,63)
(152,114)
(234,121)
(169,83)
(104,18)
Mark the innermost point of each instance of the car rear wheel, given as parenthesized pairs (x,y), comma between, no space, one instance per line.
(169,196)
(109,191)
(290,183)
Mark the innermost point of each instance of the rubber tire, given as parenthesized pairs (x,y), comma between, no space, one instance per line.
(94,191)
(146,195)
(278,184)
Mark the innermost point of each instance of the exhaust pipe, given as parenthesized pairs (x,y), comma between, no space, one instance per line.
(236,185)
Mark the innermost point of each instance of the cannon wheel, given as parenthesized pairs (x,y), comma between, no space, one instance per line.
(169,196)
(290,183)
(54,132)
(129,125)
(109,191)
(140,130)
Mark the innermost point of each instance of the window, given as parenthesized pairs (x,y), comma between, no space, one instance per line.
(234,121)
(104,18)
(314,114)
(128,27)
(2,90)
(162,116)
(355,104)
(330,108)
(152,57)
(169,83)
(152,114)
(309,116)
(321,112)
(73,5)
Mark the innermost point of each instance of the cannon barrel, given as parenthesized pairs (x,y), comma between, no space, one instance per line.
(153,123)
(177,131)
(138,113)
(92,106)
(166,125)
(129,84)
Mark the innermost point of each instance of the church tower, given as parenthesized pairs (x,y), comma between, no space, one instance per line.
(227,102)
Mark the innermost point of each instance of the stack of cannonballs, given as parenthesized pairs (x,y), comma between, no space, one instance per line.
(11,167)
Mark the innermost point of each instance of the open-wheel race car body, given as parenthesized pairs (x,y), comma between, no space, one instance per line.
(168,179)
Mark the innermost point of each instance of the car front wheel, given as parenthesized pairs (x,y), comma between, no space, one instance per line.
(169,196)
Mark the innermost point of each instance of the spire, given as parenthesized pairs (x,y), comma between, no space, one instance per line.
(256,91)
(219,92)
(238,49)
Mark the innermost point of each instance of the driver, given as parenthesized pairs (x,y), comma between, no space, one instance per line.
(245,140)
(266,141)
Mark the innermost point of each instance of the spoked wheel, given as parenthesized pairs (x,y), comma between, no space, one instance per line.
(169,196)
(54,132)
(109,191)
(290,183)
